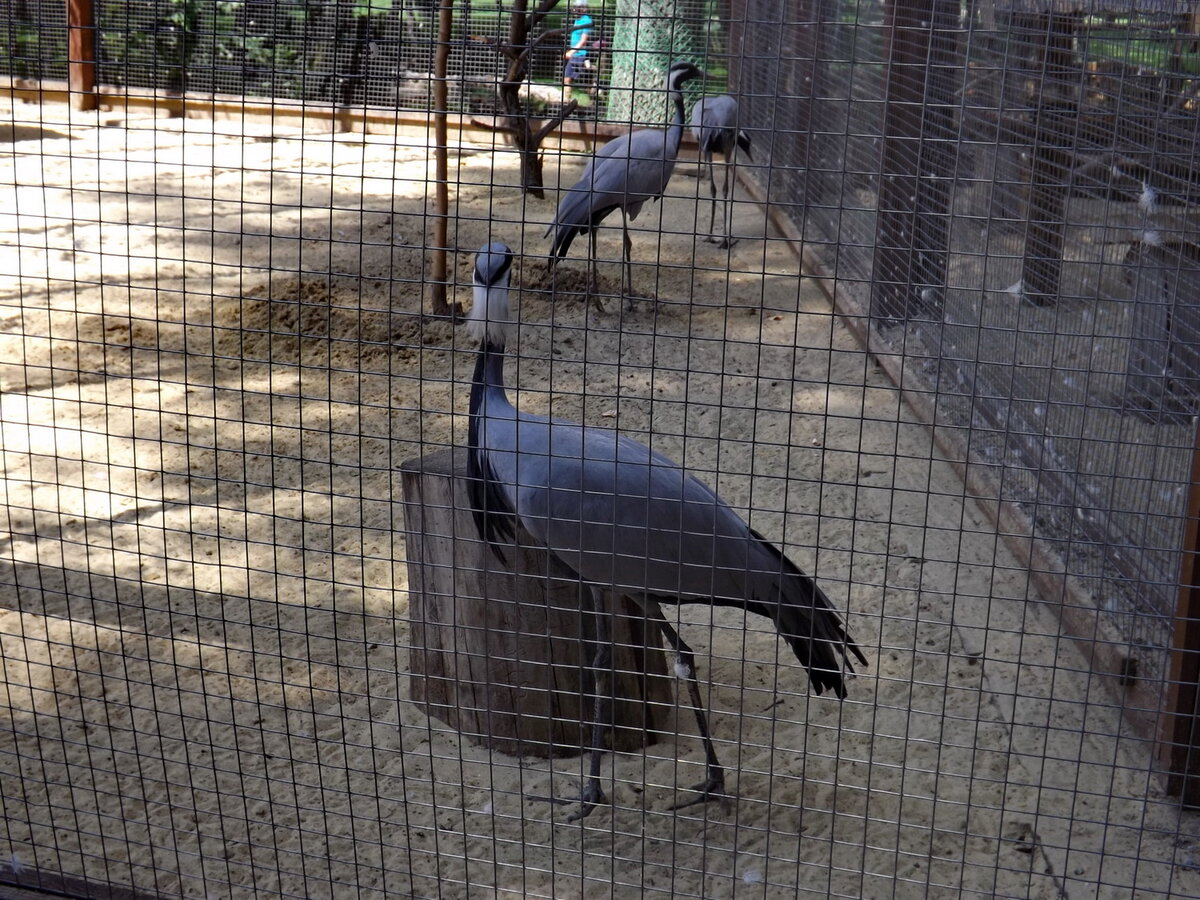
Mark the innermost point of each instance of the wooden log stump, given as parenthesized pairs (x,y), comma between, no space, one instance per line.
(498,649)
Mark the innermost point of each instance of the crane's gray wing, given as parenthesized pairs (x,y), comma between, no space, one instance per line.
(621,514)
(714,124)
(701,130)
(627,518)
(625,172)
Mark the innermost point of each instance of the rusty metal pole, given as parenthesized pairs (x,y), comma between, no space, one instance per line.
(440,271)
(1179,737)
(81,54)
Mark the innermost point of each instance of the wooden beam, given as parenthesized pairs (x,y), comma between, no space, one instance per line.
(308,114)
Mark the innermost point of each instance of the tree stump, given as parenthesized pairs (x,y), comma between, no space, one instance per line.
(499,649)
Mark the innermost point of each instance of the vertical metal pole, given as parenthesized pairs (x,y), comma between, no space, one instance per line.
(439,273)
(81,54)
(1179,748)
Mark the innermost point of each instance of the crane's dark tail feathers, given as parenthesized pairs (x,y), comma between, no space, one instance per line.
(564,235)
(575,216)
(812,628)
(743,142)
(805,618)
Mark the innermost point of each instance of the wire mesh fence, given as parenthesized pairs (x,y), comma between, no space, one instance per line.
(263,628)
(1045,179)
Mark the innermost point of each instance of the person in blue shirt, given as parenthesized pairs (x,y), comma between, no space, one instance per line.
(576,55)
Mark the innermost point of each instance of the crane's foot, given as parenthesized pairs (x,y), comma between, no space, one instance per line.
(591,797)
(633,298)
(722,241)
(712,788)
(591,291)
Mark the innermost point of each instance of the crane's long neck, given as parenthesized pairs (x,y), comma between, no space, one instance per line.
(487,385)
(489,313)
(675,129)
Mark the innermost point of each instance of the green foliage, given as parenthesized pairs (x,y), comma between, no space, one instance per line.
(648,36)
(371,7)
(27,44)
(1141,42)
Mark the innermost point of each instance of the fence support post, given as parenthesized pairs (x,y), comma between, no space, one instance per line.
(438,277)
(919,150)
(1055,121)
(81,54)
(1179,736)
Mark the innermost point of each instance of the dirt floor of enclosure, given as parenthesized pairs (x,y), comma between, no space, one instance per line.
(212,362)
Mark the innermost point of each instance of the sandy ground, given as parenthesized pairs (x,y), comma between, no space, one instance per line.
(212,362)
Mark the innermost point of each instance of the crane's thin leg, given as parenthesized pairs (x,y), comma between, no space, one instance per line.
(712,199)
(602,705)
(593,285)
(602,702)
(728,185)
(713,787)
(627,282)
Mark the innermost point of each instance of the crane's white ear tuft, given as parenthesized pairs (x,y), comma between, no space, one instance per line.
(489,314)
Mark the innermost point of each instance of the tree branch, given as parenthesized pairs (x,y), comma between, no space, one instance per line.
(555,121)
(494,126)
(540,13)
(553,32)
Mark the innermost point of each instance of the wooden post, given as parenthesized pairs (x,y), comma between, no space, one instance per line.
(1179,747)
(497,650)
(920,136)
(81,53)
(439,275)
(1055,122)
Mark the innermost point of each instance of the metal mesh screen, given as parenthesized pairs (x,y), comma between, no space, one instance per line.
(35,39)
(994,121)
(263,631)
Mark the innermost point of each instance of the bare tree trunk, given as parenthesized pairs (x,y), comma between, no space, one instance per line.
(526,131)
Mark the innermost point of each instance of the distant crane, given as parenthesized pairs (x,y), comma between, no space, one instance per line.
(624,174)
(715,126)
(628,521)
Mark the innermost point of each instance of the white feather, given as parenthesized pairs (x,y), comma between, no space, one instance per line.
(489,316)
(1148,200)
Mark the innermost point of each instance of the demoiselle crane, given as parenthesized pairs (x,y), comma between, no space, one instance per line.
(623,174)
(628,521)
(715,127)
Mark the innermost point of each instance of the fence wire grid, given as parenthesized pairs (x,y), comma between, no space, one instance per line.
(254,642)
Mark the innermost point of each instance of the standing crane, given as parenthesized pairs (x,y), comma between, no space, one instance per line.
(628,521)
(624,174)
(714,124)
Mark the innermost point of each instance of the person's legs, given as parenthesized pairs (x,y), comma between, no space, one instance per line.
(570,72)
